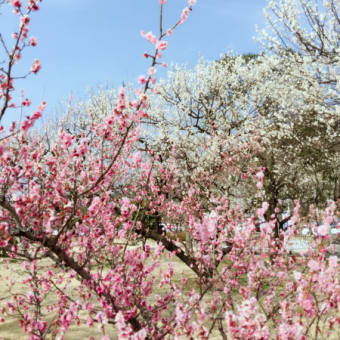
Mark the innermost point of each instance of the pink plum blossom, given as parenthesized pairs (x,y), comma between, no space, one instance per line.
(16,3)
(149,36)
(184,15)
(151,71)
(142,79)
(24,20)
(33,41)
(36,66)
(161,45)
(323,230)
(169,32)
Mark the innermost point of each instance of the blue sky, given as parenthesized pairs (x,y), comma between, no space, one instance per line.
(87,43)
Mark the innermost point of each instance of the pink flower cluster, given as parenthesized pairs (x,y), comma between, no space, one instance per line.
(247,323)
(82,207)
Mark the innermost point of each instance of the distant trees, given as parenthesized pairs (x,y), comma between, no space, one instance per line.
(277,111)
(286,101)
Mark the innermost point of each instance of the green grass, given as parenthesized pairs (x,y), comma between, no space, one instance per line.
(11,331)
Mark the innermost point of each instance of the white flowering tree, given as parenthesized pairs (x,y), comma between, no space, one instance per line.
(277,111)
(306,41)
(286,101)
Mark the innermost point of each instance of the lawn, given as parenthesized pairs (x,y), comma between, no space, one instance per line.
(9,330)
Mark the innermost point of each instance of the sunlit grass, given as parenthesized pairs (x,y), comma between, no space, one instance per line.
(183,278)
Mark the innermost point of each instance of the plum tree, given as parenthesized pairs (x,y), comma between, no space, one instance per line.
(71,204)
